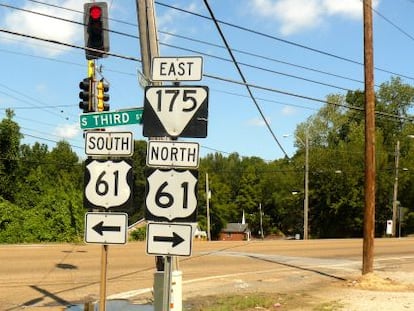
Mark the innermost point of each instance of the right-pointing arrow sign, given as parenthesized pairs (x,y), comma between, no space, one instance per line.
(169,239)
(175,239)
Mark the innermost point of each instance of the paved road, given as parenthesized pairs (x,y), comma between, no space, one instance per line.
(56,275)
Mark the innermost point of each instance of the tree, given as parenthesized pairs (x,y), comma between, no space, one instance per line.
(9,145)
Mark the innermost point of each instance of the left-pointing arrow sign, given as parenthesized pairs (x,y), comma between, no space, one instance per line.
(100,228)
(175,239)
(106,228)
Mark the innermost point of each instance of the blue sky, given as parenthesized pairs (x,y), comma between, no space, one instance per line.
(40,80)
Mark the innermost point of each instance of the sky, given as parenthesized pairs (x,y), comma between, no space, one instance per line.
(295,49)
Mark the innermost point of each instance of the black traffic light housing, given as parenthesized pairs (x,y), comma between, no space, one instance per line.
(102,96)
(86,94)
(95,19)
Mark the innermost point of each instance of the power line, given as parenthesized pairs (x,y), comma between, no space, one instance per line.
(69,45)
(198,41)
(255,67)
(392,23)
(208,55)
(244,79)
(265,35)
(322,101)
(211,76)
(192,51)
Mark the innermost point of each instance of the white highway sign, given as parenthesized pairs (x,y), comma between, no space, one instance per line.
(169,239)
(177,68)
(106,228)
(109,143)
(175,154)
(175,111)
(171,195)
(108,183)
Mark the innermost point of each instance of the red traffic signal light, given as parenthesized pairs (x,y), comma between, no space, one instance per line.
(95,12)
(96,29)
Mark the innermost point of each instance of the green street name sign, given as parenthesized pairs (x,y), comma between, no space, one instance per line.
(106,119)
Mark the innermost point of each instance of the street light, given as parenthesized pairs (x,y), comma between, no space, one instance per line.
(395,193)
(306,177)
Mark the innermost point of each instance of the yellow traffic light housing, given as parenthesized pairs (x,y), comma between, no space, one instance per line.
(102,96)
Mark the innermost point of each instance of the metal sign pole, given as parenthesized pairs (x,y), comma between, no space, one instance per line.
(166,298)
(104,266)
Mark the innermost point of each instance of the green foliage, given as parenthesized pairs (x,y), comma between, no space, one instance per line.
(139,234)
(41,190)
(235,302)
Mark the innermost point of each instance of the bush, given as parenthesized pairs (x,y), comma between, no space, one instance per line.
(138,234)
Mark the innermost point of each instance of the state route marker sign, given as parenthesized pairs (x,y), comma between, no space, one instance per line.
(177,68)
(169,239)
(106,228)
(120,144)
(175,154)
(175,111)
(112,118)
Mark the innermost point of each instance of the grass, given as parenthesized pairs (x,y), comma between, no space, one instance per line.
(258,301)
(231,303)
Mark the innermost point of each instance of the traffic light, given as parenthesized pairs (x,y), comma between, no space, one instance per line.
(86,86)
(102,96)
(95,19)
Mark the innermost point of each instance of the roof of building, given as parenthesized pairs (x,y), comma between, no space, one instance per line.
(236,228)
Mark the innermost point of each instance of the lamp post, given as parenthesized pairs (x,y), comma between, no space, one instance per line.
(306,184)
(395,194)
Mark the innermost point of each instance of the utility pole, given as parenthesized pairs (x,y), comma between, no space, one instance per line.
(306,199)
(369,211)
(208,208)
(261,221)
(149,49)
(147,34)
(395,194)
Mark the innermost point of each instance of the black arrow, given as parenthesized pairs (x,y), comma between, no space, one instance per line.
(175,239)
(100,228)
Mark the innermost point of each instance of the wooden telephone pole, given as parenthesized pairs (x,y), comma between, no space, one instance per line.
(369,213)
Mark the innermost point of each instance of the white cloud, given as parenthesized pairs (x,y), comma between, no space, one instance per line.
(289,111)
(168,21)
(258,122)
(294,16)
(67,131)
(45,27)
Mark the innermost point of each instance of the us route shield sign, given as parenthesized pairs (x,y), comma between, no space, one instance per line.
(171,195)
(175,111)
(108,184)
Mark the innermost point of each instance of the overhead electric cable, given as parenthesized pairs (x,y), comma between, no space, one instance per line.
(269,89)
(322,101)
(262,34)
(69,45)
(207,43)
(256,67)
(185,49)
(244,79)
(391,23)
(205,54)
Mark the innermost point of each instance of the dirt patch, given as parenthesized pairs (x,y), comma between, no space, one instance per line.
(372,281)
